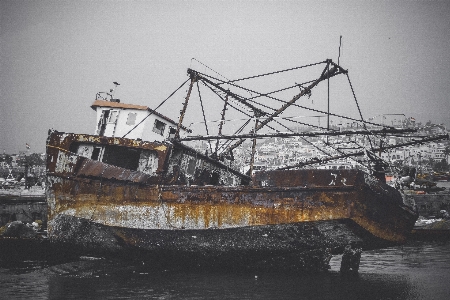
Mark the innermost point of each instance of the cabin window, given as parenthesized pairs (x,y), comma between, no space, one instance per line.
(113,116)
(131,119)
(172,132)
(148,162)
(159,127)
(191,166)
(96,153)
(102,122)
(215,178)
(105,115)
(85,150)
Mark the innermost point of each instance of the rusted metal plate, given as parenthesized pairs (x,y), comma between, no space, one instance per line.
(308,178)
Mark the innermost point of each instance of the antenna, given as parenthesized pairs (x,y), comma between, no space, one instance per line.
(340,43)
(112,90)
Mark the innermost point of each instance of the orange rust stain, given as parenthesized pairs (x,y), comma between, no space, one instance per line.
(214,213)
(224,214)
(379,230)
(161,148)
(209,209)
(234,215)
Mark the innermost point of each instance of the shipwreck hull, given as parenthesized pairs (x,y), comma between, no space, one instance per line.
(276,227)
(306,246)
(293,218)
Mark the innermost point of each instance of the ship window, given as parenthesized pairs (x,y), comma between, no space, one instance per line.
(74,147)
(172,132)
(85,150)
(113,116)
(191,167)
(131,118)
(215,178)
(159,127)
(95,153)
(148,162)
(104,117)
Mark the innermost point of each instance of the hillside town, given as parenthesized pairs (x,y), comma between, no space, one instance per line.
(431,158)
(428,158)
(13,168)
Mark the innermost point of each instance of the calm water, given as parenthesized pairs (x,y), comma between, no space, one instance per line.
(416,271)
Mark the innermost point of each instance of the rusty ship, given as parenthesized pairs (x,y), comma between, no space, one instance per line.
(139,188)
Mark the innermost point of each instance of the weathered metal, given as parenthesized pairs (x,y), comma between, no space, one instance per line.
(88,195)
(183,111)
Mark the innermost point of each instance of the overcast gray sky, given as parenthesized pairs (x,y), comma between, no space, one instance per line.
(56,55)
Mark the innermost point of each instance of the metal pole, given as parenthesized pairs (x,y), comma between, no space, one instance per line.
(340,43)
(252,161)
(328,79)
(221,123)
(183,111)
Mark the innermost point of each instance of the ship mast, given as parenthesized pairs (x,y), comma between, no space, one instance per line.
(263,118)
(326,74)
(186,101)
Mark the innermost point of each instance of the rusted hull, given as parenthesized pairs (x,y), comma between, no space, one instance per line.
(199,208)
(290,228)
(291,215)
(306,246)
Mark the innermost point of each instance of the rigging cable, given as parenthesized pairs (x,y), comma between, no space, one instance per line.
(207,68)
(232,106)
(239,130)
(154,110)
(283,101)
(271,108)
(272,73)
(359,110)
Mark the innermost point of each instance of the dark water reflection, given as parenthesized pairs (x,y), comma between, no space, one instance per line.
(416,271)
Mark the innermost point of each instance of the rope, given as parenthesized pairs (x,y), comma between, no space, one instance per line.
(244,113)
(239,130)
(359,110)
(55,147)
(271,73)
(302,123)
(232,106)
(293,104)
(208,67)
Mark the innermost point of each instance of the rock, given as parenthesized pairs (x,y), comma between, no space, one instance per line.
(19,230)
(439,225)
(350,260)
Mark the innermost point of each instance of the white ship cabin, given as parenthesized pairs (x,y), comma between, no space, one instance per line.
(115,119)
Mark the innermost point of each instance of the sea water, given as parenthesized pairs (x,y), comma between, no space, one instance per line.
(419,270)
